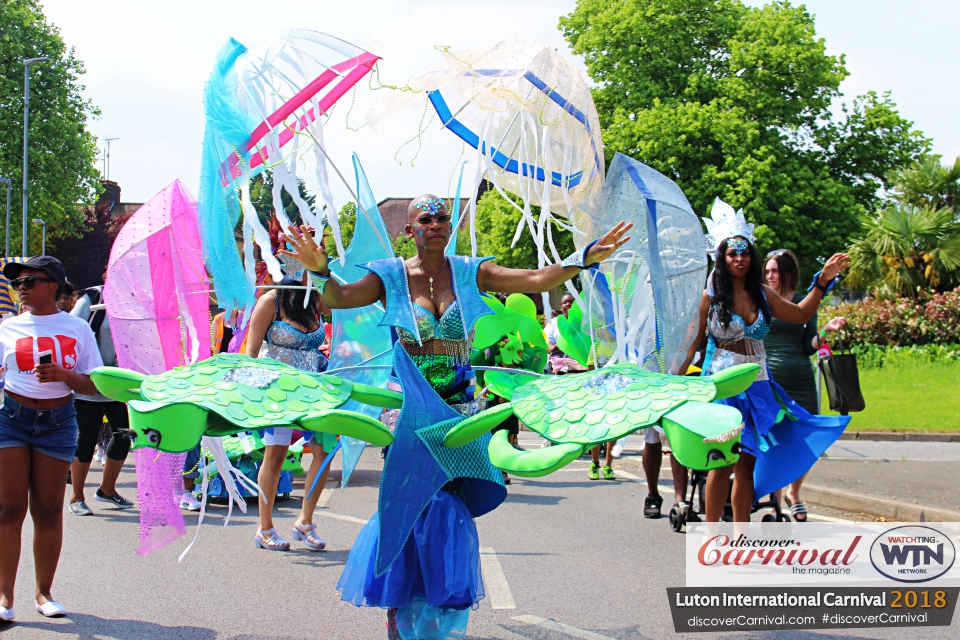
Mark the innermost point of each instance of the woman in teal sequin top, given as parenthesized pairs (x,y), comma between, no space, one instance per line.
(433,302)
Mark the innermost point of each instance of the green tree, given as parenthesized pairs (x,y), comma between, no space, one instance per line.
(926,183)
(734,101)
(906,249)
(912,244)
(348,222)
(261,195)
(497,222)
(63,173)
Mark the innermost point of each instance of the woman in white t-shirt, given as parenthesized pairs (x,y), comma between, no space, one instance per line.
(46,355)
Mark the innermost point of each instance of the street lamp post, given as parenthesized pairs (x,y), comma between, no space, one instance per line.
(7,249)
(29,62)
(43,242)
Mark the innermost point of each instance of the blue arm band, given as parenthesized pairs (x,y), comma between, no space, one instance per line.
(813,284)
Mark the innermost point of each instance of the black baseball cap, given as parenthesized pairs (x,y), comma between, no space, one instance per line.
(48,264)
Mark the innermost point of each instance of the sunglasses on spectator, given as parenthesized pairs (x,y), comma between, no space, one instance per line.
(28,282)
(776,252)
(441,218)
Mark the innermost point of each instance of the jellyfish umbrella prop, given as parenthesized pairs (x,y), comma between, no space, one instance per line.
(264,108)
(156,301)
(529,114)
(642,306)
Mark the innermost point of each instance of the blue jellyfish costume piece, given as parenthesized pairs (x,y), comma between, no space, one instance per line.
(420,552)
(227,131)
(358,338)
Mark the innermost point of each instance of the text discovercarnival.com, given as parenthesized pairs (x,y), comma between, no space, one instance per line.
(817,576)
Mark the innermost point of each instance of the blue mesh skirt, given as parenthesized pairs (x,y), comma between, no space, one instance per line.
(434,582)
(785,438)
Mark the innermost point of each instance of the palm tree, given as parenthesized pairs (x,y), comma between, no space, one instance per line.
(926,183)
(906,248)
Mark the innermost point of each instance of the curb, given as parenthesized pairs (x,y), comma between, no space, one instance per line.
(880,507)
(894,436)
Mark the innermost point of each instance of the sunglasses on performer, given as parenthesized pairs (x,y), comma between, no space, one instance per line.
(442,218)
(28,282)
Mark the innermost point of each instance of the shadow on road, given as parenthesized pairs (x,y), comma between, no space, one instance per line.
(87,627)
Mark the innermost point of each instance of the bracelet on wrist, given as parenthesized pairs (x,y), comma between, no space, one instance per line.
(319,281)
(578,258)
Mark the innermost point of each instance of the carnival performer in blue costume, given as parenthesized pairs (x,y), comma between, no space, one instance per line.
(419,555)
(780,440)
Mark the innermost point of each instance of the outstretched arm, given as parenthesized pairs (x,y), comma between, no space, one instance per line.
(801,313)
(493,277)
(313,256)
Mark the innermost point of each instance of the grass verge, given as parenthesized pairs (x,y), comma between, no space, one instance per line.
(916,397)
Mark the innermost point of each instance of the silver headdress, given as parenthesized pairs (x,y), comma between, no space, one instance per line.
(725,223)
(291,267)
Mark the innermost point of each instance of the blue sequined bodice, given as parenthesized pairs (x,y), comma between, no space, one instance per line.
(448,327)
(288,344)
(736,344)
(281,334)
(738,329)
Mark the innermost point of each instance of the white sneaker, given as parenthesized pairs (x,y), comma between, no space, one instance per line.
(7,615)
(617,450)
(189,502)
(51,609)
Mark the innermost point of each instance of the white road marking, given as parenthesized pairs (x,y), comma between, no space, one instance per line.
(663,489)
(553,625)
(817,516)
(337,516)
(324,496)
(494,582)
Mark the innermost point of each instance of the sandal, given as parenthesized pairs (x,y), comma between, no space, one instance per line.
(308,534)
(797,509)
(651,506)
(270,540)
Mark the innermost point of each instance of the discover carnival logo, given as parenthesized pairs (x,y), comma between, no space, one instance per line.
(912,554)
(744,551)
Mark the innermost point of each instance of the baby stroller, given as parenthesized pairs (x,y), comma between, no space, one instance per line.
(701,452)
(692,510)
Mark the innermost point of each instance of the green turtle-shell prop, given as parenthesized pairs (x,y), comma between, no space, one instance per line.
(579,411)
(231,393)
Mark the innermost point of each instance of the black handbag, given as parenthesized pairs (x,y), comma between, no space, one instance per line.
(842,379)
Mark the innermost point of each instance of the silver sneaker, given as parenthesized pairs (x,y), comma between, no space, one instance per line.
(80,509)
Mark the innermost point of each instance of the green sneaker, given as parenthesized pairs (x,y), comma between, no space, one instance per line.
(594,473)
(608,473)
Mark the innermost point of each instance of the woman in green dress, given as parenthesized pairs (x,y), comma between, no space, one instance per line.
(789,347)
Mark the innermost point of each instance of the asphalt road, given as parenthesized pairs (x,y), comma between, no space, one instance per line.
(576,559)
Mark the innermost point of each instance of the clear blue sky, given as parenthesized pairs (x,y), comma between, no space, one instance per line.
(147,61)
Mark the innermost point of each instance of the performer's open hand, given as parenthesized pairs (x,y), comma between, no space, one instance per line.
(306,251)
(834,266)
(609,243)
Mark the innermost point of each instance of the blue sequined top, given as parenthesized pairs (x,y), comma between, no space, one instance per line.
(448,327)
(736,344)
(288,344)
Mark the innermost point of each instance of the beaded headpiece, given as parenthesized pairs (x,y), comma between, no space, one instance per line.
(725,223)
(429,204)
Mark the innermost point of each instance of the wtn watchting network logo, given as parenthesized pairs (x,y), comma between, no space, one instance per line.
(912,554)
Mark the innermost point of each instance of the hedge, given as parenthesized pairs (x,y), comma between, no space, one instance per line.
(929,319)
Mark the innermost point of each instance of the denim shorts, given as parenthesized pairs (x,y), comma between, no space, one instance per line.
(52,432)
